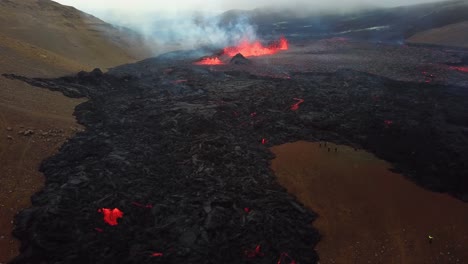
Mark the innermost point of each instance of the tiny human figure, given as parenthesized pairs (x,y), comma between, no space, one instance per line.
(328,149)
(320,145)
(430,238)
(336,149)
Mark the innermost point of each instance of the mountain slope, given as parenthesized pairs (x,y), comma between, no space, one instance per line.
(69,33)
(451,35)
(375,24)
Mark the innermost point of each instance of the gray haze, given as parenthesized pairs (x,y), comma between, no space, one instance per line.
(188,24)
(222,5)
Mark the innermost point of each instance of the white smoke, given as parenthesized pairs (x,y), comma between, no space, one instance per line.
(196,29)
(183,29)
(174,24)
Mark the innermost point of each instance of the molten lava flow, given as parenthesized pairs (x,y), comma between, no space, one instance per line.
(209,61)
(249,49)
(254,253)
(462,69)
(295,106)
(111,215)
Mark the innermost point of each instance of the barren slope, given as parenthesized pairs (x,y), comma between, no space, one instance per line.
(69,32)
(43,38)
(454,35)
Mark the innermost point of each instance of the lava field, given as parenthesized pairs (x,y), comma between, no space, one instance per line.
(182,152)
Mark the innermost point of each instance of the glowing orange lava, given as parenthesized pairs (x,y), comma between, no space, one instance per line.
(111,215)
(248,49)
(209,61)
(251,49)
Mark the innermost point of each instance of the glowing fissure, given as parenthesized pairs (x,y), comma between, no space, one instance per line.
(253,49)
(248,49)
(209,61)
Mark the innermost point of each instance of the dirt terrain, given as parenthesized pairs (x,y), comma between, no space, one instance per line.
(368,213)
(42,38)
(163,123)
(451,35)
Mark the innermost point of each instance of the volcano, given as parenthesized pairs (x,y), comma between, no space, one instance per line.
(240,59)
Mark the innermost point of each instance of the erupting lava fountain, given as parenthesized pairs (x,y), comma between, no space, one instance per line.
(248,49)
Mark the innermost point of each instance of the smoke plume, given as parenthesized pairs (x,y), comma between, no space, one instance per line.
(190,24)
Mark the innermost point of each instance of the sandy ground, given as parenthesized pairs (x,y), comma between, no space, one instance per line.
(368,214)
(451,35)
(48,115)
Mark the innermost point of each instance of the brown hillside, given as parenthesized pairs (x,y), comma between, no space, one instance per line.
(454,35)
(69,33)
(43,38)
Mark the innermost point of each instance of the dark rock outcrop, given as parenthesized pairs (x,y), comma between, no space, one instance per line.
(239,59)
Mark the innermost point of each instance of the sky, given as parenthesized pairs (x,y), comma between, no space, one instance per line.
(93,6)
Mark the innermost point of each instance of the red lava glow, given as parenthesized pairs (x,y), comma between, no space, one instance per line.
(462,69)
(179,81)
(111,215)
(283,257)
(157,254)
(209,61)
(247,210)
(251,49)
(142,205)
(295,106)
(248,49)
(264,141)
(254,253)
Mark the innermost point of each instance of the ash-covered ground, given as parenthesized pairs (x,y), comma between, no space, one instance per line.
(182,150)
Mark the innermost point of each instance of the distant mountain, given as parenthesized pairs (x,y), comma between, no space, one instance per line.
(377,24)
(67,34)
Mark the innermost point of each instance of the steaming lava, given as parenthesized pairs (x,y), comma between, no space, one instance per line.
(209,61)
(248,49)
(253,49)
(182,150)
